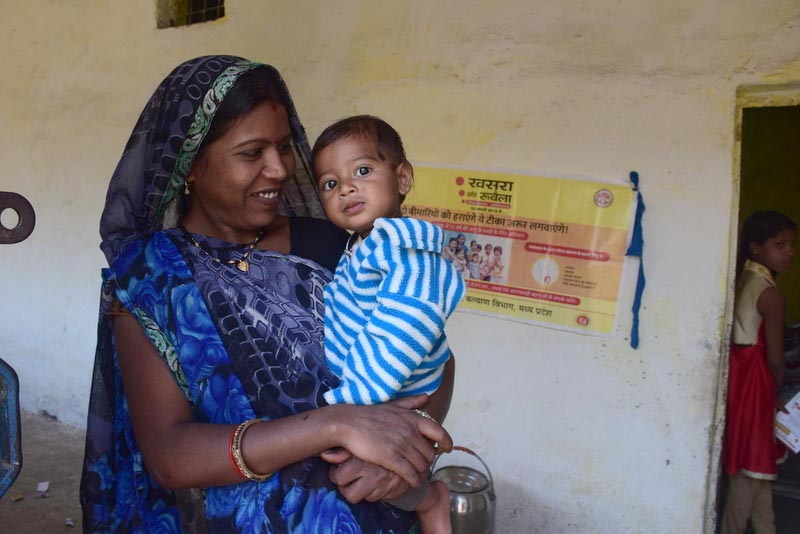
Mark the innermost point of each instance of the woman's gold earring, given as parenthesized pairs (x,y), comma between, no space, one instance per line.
(186,190)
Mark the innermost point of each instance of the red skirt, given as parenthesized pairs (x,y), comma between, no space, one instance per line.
(750,444)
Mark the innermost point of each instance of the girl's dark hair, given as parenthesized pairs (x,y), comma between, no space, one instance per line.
(251,89)
(387,140)
(757,228)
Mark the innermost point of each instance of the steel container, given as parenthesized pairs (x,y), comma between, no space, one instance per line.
(472,497)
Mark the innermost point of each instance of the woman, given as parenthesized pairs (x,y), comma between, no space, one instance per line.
(209,369)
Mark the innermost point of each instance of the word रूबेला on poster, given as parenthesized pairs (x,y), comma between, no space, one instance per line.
(531,248)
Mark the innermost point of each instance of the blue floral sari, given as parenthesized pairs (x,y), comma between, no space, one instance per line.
(239,345)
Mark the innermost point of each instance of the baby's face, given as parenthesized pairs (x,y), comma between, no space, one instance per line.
(357,186)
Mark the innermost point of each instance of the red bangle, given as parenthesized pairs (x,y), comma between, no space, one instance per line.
(235,452)
(231,456)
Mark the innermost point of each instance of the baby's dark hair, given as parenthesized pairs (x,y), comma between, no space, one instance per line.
(757,228)
(387,140)
(375,130)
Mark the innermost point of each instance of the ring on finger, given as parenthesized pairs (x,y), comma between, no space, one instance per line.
(426,415)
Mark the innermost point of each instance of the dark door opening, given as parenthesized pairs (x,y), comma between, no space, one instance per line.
(770,180)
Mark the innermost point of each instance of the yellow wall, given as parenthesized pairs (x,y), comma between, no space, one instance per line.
(583,434)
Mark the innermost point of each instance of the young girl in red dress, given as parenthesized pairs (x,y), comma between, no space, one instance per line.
(750,450)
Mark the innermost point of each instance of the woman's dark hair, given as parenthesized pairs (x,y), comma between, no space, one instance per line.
(757,228)
(387,140)
(251,89)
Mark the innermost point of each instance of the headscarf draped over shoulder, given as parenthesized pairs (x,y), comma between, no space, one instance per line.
(145,192)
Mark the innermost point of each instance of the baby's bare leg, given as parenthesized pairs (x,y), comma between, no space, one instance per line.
(434,510)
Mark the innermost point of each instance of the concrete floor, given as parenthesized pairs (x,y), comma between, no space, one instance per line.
(53,452)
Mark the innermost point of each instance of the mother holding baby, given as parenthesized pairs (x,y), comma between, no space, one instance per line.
(206,411)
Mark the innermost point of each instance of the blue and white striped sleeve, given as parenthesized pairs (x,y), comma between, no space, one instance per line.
(404,335)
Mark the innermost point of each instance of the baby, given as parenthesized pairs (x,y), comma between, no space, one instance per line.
(386,308)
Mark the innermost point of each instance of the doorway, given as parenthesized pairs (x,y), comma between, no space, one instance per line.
(770,178)
(767,162)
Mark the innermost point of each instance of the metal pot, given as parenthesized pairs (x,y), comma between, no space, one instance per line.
(472,498)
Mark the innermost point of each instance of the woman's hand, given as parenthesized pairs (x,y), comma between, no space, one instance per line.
(361,481)
(358,480)
(393,436)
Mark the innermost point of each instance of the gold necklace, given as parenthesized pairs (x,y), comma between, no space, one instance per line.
(242,264)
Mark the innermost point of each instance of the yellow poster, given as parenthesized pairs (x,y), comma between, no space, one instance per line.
(531,248)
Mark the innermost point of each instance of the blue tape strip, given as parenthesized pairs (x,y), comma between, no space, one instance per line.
(636,248)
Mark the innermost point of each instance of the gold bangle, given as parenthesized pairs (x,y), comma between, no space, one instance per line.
(236,451)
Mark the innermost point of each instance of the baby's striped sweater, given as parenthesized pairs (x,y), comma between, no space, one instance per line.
(385,313)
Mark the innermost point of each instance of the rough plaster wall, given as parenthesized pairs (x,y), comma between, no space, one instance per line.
(582,434)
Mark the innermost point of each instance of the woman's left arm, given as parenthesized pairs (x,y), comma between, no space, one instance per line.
(362,481)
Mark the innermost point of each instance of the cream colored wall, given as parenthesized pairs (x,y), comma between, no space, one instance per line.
(583,434)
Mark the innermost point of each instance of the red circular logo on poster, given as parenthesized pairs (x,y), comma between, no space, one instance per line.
(582,320)
(603,198)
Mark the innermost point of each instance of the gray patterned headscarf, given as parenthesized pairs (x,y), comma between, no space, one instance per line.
(145,192)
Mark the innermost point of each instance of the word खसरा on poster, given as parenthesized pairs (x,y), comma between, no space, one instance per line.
(531,248)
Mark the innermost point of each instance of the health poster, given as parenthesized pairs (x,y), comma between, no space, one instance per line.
(531,248)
